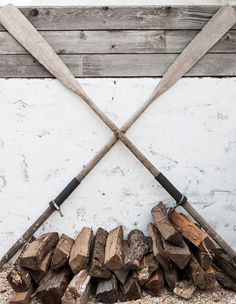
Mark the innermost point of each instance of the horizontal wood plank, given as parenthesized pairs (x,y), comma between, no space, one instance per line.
(118,42)
(103,18)
(130,65)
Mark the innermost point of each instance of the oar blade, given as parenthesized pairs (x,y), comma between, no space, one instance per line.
(211,33)
(25,33)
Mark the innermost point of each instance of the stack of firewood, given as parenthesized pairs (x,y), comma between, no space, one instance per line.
(177,254)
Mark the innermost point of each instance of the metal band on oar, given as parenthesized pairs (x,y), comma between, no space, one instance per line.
(28,36)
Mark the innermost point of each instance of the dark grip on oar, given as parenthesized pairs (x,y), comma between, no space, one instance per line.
(65,193)
(170,188)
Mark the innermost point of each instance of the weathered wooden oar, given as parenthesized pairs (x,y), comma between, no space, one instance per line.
(29,37)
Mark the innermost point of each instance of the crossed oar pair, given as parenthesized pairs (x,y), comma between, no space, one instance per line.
(23,31)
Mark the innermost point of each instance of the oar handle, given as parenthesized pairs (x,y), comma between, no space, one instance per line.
(170,188)
(62,196)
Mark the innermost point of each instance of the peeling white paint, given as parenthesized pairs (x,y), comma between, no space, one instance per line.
(47,135)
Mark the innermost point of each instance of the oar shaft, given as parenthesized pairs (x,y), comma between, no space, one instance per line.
(26,236)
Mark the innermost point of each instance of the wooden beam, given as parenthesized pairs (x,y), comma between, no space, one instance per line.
(118,42)
(113,250)
(161,221)
(62,251)
(129,17)
(80,251)
(117,65)
(37,250)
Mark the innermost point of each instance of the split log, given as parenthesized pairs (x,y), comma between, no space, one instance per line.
(79,289)
(195,272)
(37,250)
(80,251)
(190,231)
(156,283)
(43,268)
(138,247)
(170,269)
(19,278)
(113,250)
(97,267)
(210,279)
(226,264)
(23,297)
(62,252)
(203,258)
(53,286)
(179,255)
(184,289)
(148,266)
(107,290)
(161,221)
(122,273)
(131,288)
(225,281)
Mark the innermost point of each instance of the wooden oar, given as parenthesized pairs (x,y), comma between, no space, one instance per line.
(27,35)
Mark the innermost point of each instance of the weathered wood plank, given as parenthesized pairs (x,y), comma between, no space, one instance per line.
(132,65)
(118,42)
(94,18)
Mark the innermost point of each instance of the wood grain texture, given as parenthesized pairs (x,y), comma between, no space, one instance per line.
(94,18)
(132,65)
(118,42)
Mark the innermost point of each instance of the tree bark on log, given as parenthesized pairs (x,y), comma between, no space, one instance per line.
(97,267)
(62,252)
(113,250)
(161,221)
(37,250)
(53,286)
(79,289)
(107,290)
(80,251)
(138,247)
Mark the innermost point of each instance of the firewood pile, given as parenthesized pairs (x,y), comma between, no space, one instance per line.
(177,255)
